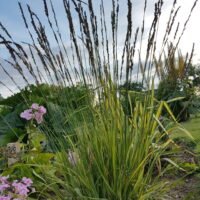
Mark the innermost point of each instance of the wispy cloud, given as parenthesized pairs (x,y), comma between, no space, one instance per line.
(10,16)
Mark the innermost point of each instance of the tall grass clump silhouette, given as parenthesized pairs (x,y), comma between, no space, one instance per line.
(102,153)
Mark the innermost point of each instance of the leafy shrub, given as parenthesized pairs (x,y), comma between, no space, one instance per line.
(169,90)
(135,94)
(61,102)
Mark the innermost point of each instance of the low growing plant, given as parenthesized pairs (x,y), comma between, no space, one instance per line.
(15,190)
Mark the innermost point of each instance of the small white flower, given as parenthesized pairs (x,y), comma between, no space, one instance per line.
(191,78)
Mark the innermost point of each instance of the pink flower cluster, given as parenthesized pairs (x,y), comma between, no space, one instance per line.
(16,190)
(35,112)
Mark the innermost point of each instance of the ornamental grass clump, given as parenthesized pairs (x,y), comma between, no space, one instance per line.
(114,158)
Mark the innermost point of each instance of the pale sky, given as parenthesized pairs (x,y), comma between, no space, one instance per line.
(10,16)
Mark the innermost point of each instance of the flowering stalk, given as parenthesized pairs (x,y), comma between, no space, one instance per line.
(34,113)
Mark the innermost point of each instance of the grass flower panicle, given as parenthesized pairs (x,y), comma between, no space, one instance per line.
(73,157)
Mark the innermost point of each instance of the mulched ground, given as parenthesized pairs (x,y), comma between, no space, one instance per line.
(188,188)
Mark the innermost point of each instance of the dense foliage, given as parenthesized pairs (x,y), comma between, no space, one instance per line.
(61,101)
(178,79)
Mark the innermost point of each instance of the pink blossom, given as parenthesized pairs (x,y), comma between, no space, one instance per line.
(42,110)
(16,190)
(4,186)
(4,179)
(35,106)
(38,117)
(5,197)
(27,114)
(39,114)
(35,112)
(20,189)
(27,181)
